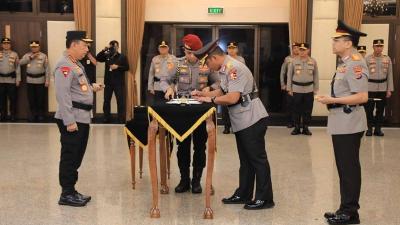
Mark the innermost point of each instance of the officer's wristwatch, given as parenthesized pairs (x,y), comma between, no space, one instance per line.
(212,99)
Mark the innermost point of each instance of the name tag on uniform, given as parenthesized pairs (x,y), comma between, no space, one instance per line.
(88,61)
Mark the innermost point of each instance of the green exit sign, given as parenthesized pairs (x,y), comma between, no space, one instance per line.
(215,10)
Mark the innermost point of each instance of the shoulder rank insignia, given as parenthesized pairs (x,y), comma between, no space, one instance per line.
(233,74)
(357,71)
(65,70)
(355,57)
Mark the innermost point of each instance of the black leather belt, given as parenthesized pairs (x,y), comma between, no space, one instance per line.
(334,106)
(303,84)
(35,75)
(12,74)
(83,106)
(245,98)
(377,80)
(156,79)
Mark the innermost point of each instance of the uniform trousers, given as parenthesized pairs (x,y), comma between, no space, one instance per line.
(254,163)
(73,148)
(8,92)
(302,107)
(370,106)
(347,148)
(36,98)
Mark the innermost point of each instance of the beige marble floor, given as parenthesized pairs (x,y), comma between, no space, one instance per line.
(303,173)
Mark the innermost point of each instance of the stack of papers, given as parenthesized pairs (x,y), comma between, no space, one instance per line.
(179,101)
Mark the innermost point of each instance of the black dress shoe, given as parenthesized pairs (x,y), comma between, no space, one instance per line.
(289,125)
(227,130)
(328,215)
(234,200)
(379,133)
(368,133)
(296,131)
(306,131)
(183,186)
(86,198)
(259,204)
(71,200)
(343,219)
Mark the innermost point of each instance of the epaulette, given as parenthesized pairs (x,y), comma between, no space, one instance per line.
(356,57)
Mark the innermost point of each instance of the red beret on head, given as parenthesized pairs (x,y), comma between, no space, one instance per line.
(192,42)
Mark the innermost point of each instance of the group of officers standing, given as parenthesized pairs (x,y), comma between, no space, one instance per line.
(299,79)
(38,75)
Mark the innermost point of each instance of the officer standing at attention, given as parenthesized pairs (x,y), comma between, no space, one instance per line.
(89,62)
(283,78)
(162,71)
(232,49)
(37,79)
(74,95)
(10,78)
(303,84)
(380,87)
(191,75)
(249,123)
(362,49)
(114,79)
(347,120)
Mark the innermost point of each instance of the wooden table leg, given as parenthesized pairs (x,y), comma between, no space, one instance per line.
(168,156)
(152,131)
(140,162)
(208,213)
(132,152)
(163,158)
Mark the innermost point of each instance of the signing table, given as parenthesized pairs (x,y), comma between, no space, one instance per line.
(180,120)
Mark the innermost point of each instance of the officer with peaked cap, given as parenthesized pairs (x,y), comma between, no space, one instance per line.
(380,86)
(162,70)
(249,123)
(232,50)
(347,120)
(74,95)
(10,79)
(302,84)
(37,79)
(283,79)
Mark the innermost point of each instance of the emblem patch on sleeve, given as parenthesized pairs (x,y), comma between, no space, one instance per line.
(233,74)
(65,70)
(357,72)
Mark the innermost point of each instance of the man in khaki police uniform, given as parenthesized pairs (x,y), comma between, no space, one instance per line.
(302,84)
(74,95)
(192,75)
(232,49)
(37,79)
(283,78)
(347,121)
(162,71)
(10,78)
(380,87)
(249,123)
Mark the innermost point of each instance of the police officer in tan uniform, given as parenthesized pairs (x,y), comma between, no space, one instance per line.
(347,121)
(302,84)
(192,75)
(162,71)
(10,78)
(74,95)
(249,123)
(380,87)
(232,49)
(283,78)
(37,79)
